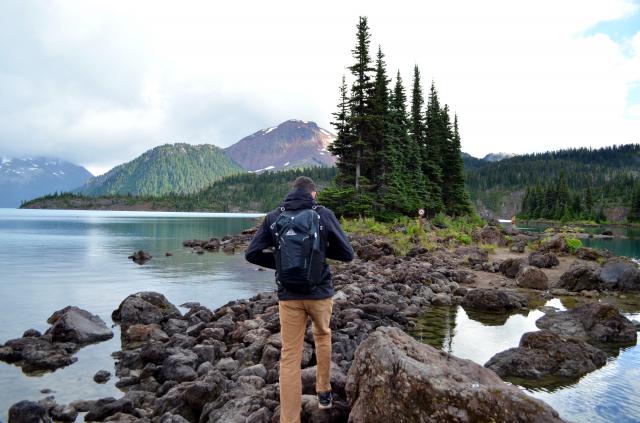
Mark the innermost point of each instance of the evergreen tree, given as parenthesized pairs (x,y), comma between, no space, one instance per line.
(435,135)
(361,90)
(410,167)
(454,193)
(342,146)
(634,212)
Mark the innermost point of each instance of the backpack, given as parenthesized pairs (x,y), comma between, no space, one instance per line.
(299,252)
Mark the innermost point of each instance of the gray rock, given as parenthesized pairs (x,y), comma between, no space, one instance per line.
(415,380)
(543,260)
(581,277)
(180,367)
(73,324)
(511,266)
(620,274)
(494,299)
(102,376)
(533,278)
(106,407)
(592,322)
(63,413)
(28,412)
(144,308)
(544,353)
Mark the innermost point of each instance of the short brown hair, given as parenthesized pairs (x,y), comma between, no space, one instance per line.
(304,183)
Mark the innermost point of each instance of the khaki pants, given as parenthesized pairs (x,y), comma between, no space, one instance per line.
(293,324)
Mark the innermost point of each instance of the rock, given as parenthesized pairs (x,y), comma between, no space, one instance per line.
(28,412)
(580,277)
(144,308)
(339,412)
(490,235)
(607,232)
(34,354)
(140,257)
(338,379)
(511,266)
(533,278)
(441,299)
(168,254)
(473,255)
(63,413)
(395,378)
(180,367)
(543,260)
(591,322)
(73,324)
(139,334)
(545,353)
(31,333)
(556,243)
(518,247)
(101,376)
(494,299)
(106,407)
(620,274)
(586,253)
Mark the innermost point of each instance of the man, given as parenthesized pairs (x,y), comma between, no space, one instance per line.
(301,298)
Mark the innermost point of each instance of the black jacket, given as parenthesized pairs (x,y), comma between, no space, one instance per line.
(336,248)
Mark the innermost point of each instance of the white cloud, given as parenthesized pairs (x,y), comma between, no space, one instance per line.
(100,82)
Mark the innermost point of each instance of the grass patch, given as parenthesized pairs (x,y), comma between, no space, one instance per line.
(573,244)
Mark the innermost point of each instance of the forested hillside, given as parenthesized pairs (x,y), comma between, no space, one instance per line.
(243,192)
(608,174)
(177,168)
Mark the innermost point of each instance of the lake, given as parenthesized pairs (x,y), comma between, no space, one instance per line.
(52,258)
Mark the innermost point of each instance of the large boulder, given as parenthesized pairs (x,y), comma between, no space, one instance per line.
(144,308)
(38,353)
(543,260)
(511,266)
(73,324)
(395,378)
(592,322)
(620,274)
(544,353)
(490,235)
(533,278)
(556,243)
(28,412)
(580,277)
(496,300)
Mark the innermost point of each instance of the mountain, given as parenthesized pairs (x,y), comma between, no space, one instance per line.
(25,178)
(179,168)
(294,143)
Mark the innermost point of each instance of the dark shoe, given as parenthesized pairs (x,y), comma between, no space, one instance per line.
(324,400)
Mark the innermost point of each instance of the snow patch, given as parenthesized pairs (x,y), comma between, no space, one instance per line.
(262,170)
(286,164)
(6,160)
(325,132)
(266,131)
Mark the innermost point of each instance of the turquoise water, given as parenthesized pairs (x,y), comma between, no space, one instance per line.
(51,259)
(626,241)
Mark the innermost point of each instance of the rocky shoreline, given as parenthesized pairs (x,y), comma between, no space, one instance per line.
(222,365)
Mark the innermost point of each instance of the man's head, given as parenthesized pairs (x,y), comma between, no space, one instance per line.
(306,184)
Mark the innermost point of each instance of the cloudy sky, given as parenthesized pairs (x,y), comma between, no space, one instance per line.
(100,82)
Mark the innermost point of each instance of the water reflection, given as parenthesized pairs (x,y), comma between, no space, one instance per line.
(611,393)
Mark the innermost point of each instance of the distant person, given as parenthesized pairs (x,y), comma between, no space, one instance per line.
(295,239)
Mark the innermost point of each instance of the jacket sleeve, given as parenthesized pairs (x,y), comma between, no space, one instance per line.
(338,246)
(262,240)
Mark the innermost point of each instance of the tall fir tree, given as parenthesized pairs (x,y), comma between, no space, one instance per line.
(456,198)
(409,151)
(342,146)
(435,133)
(361,91)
